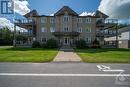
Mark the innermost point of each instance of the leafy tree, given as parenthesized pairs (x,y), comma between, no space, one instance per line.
(6,36)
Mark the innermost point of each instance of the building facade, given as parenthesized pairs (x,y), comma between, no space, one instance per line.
(66,26)
(123,38)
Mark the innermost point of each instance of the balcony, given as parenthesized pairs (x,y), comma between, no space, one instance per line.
(108,23)
(25,23)
(106,34)
(71,34)
(100,23)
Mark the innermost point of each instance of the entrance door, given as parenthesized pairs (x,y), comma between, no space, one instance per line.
(66,41)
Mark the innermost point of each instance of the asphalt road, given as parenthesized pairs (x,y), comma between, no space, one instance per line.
(63,75)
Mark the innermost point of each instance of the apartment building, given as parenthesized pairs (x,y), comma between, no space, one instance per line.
(66,26)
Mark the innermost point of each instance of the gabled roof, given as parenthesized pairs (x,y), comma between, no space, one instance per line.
(31,13)
(65,9)
(99,14)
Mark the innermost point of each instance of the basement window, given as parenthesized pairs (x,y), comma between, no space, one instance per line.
(44,39)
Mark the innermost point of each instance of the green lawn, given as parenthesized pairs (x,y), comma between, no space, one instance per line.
(104,55)
(10,54)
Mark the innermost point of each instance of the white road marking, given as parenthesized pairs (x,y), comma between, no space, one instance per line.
(61,75)
(114,70)
(103,67)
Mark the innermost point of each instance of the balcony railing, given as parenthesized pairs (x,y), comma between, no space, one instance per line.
(108,23)
(73,34)
(24,23)
(106,34)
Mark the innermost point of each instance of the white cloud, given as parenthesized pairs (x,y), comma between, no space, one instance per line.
(118,9)
(51,14)
(87,14)
(7,23)
(21,7)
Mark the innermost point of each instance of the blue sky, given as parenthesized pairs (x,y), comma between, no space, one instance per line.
(47,7)
(115,9)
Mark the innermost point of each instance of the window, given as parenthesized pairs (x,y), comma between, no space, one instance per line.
(79,20)
(88,30)
(100,20)
(66,29)
(43,29)
(79,29)
(88,40)
(88,20)
(52,20)
(30,31)
(52,29)
(43,39)
(43,20)
(66,18)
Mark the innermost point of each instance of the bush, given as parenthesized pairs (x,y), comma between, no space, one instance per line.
(96,44)
(81,44)
(21,38)
(36,44)
(51,43)
(43,45)
(4,42)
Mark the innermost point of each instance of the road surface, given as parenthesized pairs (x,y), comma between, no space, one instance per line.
(76,74)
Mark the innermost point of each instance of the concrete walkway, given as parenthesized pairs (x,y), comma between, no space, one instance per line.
(67,54)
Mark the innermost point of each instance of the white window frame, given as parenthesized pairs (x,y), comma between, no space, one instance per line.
(88,30)
(88,20)
(80,20)
(43,20)
(52,20)
(43,29)
(43,40)
(66,18)
(80,30)
(88,39)
(52,29)
(66,29)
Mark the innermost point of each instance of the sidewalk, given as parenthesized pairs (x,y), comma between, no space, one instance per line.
(67,54)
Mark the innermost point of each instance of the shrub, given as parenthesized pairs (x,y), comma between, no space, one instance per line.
(36,44)
(81,44)
(51,43)
(4,42)
(21,38)
(96,44)
(43,45)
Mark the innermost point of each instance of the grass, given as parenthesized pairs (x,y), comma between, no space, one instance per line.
(10,54)
(104,55)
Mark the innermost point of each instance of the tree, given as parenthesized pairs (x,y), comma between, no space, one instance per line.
(6,36)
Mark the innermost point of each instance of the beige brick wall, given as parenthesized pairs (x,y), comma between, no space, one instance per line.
(59,25)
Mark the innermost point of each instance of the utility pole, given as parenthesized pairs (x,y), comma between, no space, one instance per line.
(117,35)
(14,41)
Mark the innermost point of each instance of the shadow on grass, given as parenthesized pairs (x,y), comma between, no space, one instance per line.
(101,50)
(29,49)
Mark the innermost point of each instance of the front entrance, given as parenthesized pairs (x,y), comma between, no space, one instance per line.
(66,41)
